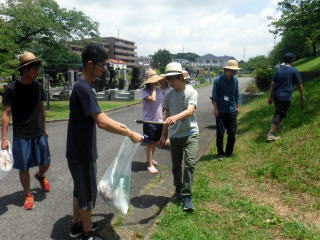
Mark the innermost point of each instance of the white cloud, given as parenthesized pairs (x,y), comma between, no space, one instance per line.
(203,26)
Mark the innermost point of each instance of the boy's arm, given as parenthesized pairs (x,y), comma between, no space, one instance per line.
(270,100)
(43,116)
(184,114)
(300,89)
(164,134)
(5,124)
(105,122)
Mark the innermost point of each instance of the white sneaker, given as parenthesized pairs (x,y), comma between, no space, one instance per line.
(272,137)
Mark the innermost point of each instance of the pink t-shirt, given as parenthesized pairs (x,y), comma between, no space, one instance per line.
(152,111)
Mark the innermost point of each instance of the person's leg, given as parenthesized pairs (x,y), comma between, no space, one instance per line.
(43,169)
(86,220)
(231,131)
(76,211)
(177,157)
(25,180)
(150,151)
(190,151)
(219,135)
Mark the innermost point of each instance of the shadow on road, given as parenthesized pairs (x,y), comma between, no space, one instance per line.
(139,166)
(147,201)
(17,199)
(62,226)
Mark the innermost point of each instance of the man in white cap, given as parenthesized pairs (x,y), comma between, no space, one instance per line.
(180,103)
(225,101)
(24,100)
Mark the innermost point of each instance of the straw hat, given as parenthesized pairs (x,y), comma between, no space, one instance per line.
(151,77)
(232,65)
(186,75)
(173,68)
(27,58)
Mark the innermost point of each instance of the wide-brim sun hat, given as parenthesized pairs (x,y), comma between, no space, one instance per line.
(173,68)
(232,65)
(186,75)
(151,77)
(27,58)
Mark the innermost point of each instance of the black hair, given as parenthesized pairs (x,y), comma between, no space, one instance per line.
(288,57)
(93,52)
(29,66)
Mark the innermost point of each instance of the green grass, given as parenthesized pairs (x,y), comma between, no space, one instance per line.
(60,109)
(308,64)
(265,191)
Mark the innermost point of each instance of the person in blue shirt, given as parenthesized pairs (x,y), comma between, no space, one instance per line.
(281,90)
(225,101)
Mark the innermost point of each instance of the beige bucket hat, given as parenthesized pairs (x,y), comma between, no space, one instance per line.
(27,58)
(173,68)
(232,65)
(151,77)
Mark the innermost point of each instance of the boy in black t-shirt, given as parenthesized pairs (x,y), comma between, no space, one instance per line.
(81,153)
(24,100)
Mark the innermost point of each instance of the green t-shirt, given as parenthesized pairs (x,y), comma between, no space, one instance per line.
(176,102)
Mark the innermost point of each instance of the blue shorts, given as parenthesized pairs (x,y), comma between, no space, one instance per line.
(151,132)
(30,152)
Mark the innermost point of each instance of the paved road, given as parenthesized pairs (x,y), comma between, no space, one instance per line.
(52,215)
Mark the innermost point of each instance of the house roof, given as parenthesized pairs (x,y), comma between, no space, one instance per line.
(116,61)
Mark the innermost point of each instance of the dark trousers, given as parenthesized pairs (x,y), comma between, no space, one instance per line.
(226,121)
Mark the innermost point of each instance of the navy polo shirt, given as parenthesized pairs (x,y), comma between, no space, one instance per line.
(226,94)
(81,138)
(285,79)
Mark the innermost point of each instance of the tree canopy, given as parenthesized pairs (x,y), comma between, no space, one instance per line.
(160,59)
(37,26)
(299,17)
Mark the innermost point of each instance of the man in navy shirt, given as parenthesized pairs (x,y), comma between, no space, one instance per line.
(85,114)
(281,90)
(225,101)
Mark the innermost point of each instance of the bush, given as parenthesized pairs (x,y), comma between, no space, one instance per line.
(263,78)
(201,80)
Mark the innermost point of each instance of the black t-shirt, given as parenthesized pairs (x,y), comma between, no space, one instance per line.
(81,139)
(24,100)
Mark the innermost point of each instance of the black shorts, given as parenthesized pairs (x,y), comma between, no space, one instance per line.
(151,132)
(85,183)
(282,108)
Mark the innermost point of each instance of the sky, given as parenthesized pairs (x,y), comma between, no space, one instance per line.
(236,28)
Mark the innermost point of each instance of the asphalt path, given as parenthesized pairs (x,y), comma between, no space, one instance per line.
(52,215)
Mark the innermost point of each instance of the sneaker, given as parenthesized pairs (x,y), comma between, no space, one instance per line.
(152,170)
(176,198)
(76,229)
(91,236)
(272,137)
(187,204)
(220,157)
(43,182)
(29,202)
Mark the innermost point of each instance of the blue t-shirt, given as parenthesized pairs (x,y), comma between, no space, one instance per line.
(81,138)
(285,79)
(226,94)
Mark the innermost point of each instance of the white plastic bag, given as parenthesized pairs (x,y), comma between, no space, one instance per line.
(114,186)
(6,161)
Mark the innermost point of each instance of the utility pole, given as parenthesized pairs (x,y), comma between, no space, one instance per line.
(244,54)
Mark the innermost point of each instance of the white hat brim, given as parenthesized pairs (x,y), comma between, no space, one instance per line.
(231,68)
(172,74)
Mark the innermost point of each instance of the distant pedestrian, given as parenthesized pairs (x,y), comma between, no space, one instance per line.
(152,111)
(181,127)
(24,99)
(225,101)
(85,114)
(281,90)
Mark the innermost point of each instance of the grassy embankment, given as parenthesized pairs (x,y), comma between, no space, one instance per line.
(265,191)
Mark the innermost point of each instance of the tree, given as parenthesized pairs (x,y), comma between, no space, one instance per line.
(37,24)
(160,59)
(189,56)
(256,62)
(299,16)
